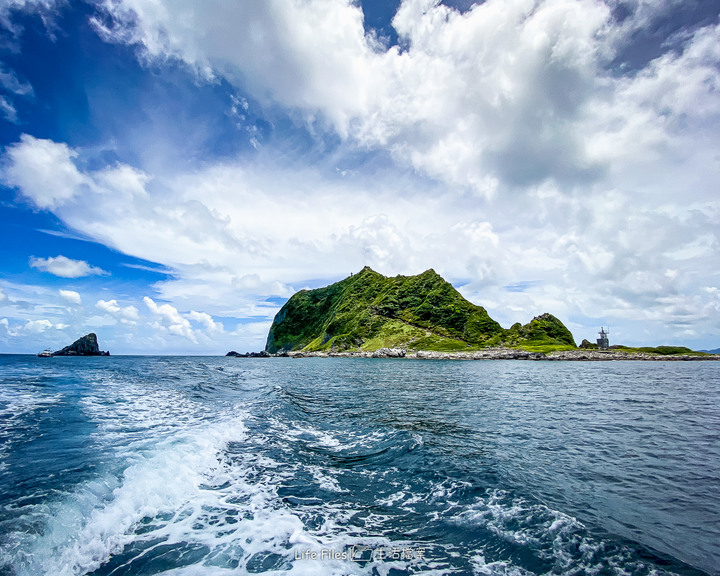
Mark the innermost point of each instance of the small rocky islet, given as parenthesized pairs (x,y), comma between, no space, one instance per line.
(368,315)
(85,346)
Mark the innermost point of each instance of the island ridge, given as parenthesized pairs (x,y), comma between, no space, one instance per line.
(368,311)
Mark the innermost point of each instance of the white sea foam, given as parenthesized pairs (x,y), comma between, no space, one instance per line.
(15,407)
(188,489)
(325,480)
(552,536)
(392,499)
(337,440)
(500,568)
(99,518)
(14,403)
(127,412)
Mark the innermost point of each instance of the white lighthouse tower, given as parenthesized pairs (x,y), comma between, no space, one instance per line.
(603,342)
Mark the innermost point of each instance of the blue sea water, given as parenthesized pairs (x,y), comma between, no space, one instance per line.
(213,466)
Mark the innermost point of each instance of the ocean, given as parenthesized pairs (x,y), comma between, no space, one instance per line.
(214,466)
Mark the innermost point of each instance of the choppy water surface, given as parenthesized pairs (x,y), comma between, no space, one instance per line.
(195,466)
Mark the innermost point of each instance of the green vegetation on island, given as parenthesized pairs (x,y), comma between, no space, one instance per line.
(368,311)
(661,350)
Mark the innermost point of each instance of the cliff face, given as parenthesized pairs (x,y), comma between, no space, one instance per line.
(369,311)
(85,346)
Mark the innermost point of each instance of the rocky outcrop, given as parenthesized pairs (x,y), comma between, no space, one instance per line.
(620,355)
(389,353)
(487,354)
(261,354)
(499,353)
(85,346)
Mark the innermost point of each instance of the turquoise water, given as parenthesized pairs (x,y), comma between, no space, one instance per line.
(194,466)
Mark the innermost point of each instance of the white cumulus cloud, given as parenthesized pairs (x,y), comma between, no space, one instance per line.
(126,314)
(180,324)
(505,91)
(205,320)
(38,326)
(173,321)
(66,267)
(44,171)
(70,296)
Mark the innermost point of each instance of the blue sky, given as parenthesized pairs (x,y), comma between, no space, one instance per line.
(172,171)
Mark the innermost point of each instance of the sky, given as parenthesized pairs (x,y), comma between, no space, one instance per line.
(172,171)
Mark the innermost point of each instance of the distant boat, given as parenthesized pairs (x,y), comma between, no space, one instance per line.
(47,353)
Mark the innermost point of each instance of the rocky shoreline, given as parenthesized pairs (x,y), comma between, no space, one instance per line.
(488,354)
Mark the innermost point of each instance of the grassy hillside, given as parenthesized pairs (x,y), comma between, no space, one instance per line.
(660,350)
(368,311)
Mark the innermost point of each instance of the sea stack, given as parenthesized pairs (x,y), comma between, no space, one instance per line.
(85,346)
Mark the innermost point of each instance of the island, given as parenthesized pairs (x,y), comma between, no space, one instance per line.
(371,315)
(368,311)
(85,346)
